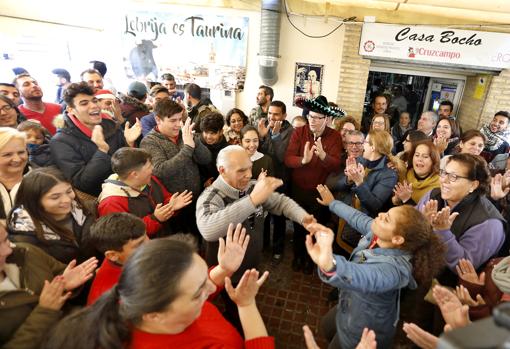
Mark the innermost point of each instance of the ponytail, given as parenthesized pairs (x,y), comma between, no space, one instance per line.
(428,260)
(98,326)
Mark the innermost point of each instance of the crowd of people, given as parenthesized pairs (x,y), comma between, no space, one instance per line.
(176,202)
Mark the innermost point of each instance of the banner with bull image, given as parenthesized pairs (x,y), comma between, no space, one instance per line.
(208,50)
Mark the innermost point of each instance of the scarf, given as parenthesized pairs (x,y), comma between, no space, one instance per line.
(492,140)
(501,275)
(421,186)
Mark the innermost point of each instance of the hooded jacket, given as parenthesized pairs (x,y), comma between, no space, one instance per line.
(132,109)
(119,197)
(369,284)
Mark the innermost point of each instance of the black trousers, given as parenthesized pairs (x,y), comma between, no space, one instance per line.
(308,200)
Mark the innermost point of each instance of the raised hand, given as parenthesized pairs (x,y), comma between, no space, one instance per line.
(244,294)
(276,127)
(463,295)
(356,174)
(181,200)
(454,313)
(497,191)
(308,153)
(467,272)
(420,337)
(443,220)
(263,129)
(76,275)
(263,189)
(321,251)
(326,195)
(429,210)
(403,191)
(164,212)
(97,138)
(132,133)
(262,174)
(319,150)
(53,295)
(232,250)
(441,144)
(187,133)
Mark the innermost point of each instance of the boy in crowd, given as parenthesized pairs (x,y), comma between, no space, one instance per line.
(132,188)
(212,137)
(117,236)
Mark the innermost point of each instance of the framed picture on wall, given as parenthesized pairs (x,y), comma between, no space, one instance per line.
(307,80)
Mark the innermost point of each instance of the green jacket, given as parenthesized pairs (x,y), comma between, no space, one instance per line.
(24,322)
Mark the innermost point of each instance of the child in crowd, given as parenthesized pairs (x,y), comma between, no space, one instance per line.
(117,236)
(38,139)
(132,188)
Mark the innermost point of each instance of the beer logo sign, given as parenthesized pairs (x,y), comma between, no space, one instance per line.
(369,46)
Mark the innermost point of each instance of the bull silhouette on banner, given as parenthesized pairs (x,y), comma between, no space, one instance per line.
(142,60)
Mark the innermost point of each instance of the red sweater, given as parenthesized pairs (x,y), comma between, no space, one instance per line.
(106,277)
(46,118)
(316,171)
(210,330)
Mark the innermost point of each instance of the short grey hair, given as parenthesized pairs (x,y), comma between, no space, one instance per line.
(432,115)
(223,159)
(356,133)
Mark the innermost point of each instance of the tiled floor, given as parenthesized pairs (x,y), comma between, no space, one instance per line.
(288,300)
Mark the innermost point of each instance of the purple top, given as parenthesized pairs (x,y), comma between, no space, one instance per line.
(477,244)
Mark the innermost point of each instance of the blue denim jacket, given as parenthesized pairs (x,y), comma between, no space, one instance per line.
(369,284)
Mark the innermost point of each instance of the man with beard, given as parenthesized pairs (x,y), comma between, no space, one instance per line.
(379,105)
(33,107)
(275,135)
(496,135)
(264,98)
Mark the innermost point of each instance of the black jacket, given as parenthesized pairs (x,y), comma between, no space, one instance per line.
(80,160)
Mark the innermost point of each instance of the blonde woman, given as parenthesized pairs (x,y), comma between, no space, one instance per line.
(13,164)
(368,180)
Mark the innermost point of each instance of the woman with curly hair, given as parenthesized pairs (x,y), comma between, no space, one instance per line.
(399,249)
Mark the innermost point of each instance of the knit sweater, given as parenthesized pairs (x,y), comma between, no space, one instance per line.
(210,330)
(220,204)
(176,163)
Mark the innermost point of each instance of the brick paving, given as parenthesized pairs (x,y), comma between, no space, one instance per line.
(288,300)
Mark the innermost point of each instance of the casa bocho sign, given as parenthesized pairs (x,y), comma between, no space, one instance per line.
(436,45)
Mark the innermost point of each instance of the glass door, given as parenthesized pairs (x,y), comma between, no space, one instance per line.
(442,89)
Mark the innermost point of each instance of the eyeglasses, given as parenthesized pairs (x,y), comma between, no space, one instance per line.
(316,117)
(378,123)
(6,108)
(355,143)
(452,177)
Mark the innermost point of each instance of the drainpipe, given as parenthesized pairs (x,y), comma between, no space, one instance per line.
(269,40)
